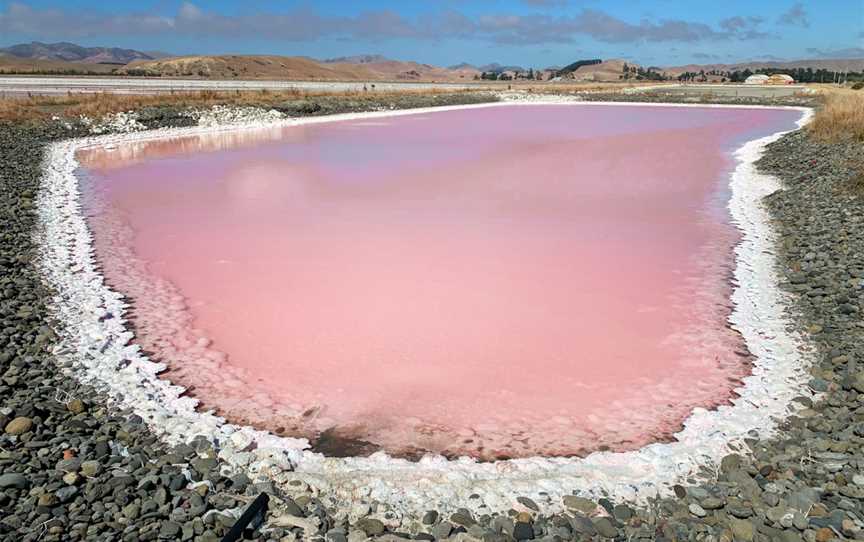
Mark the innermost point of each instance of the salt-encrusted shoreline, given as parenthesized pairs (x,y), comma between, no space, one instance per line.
(95,338)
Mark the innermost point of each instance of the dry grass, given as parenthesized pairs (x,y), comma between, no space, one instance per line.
(841,117)
(95,105)
(841,120)
(36,107)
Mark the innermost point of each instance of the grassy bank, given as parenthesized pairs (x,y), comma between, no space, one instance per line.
(841,117)
(840,121)
(99,104)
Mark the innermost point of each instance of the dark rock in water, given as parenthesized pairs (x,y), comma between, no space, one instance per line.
(336,442)
(430,517)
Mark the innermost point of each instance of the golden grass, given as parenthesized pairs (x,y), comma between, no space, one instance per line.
(95,105)
(840,118)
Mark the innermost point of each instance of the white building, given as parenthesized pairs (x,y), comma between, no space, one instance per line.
(757,79)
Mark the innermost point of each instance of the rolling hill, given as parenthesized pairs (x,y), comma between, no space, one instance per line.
(836,64)
(70,52)
(371,68)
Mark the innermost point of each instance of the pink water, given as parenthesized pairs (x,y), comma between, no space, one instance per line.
(498,282)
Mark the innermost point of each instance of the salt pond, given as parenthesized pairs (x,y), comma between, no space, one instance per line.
(495,282)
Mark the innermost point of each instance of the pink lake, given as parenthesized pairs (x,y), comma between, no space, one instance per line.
(496,282)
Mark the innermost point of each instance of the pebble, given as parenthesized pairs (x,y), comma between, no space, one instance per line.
(75,406)
(580,504)
(371,526)
(14,480)
(523,531)
(19,426)
(605,528)
(697,510)
(65,494)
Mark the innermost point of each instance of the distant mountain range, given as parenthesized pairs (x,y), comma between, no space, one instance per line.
(488,68)
(358,59)
(70,52)
(70,58)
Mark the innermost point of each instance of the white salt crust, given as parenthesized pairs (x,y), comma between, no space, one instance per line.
(95,339)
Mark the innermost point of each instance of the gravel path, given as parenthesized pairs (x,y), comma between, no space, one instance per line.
(75,468)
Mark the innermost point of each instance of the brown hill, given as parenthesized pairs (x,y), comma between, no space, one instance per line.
(292,68)
(608,70)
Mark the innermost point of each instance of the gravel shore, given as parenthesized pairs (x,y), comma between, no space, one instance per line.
(74,467)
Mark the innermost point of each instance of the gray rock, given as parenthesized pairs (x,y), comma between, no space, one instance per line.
(583,525)
(442,530)
(66,493)
(742,530)
(622,513)
(91,468)
(132,511)
(371,526)
(292,508)
(523,531)
(169,530)
(605,528)
(803,499)
(697,510)
(14,480)
(712,503)
(579,504)
(463,518)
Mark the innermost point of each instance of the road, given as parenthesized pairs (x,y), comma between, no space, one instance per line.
(743,91)
(16,86)
(24,85)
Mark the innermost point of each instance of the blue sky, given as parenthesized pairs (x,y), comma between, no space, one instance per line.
(526,32)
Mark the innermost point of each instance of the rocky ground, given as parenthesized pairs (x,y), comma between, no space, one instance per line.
(671,96)
(74,468)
